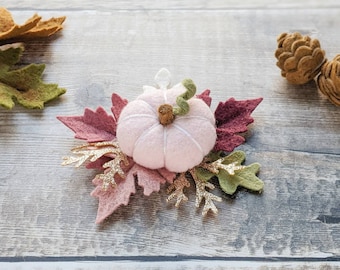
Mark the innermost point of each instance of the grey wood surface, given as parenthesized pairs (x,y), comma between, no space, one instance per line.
(46,213)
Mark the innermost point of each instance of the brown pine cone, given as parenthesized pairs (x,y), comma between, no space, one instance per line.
(329,80)
(299,57)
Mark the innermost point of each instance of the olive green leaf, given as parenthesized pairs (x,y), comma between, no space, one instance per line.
(23,85)
(230,173)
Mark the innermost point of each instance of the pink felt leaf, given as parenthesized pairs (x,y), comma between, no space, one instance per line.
(150,180)
(118,103)
(93,126)
(169,176)
(112,198)
(233,117)
(205,96)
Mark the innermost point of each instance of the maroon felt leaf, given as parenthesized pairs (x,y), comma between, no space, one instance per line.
(112,198)
(118,103)
(205,96)
(93,126)
(233,117)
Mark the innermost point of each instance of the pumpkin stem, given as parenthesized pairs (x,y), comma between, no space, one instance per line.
(165,114)
(183,105)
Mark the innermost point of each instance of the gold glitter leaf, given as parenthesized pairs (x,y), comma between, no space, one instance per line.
(202,193)
(177,190)
(94,151)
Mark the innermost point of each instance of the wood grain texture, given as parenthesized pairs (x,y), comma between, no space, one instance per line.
(118,46)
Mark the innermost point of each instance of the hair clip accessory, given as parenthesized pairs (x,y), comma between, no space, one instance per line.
(302,60)
(168,134)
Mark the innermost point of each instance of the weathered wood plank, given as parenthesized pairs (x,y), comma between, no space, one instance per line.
(105,5)
(46,209)
(195,264)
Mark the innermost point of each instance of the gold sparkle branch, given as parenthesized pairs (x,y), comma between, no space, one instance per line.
(202,193)
(176,190)
(92,152)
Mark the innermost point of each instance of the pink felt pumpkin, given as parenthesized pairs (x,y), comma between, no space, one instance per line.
(178,145)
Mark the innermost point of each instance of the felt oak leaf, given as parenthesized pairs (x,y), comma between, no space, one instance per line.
(24,85)
(32,28)
(232,118)
(231,173)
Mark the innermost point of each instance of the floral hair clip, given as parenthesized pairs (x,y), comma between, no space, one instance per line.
(167,135)
(301,60)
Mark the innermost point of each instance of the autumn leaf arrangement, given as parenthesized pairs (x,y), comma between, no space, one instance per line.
(302,60)
(24,85)
(168,135)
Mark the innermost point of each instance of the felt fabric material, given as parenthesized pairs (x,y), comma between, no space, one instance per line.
(112,198)
(183,107)
(232,117)
(23,84)
(118,103)
(328,80)
(244,176)
(205,96)
(178,146)
(32,28)
(299,57)
(93,126)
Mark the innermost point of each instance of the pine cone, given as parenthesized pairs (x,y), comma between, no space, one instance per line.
(329,80)
(299,57)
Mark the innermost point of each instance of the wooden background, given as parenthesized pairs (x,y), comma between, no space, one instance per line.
(46,213)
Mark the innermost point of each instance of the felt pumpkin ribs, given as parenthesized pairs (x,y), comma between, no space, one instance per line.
(168,134)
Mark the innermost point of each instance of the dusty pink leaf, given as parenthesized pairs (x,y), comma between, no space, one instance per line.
(118,103)
(205,96)
(169,176)
(93,126)
(112,198)
(233,117)
(150,180)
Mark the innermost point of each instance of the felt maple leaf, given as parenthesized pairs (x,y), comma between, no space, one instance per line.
(233,117)
(114,197)
(23,85)
(93,126)
(34,27)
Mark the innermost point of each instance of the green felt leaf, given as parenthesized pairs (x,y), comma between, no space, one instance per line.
(245,177)
(23,85)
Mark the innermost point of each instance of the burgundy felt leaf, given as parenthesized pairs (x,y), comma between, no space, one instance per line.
(93,126)
(113,197)
(233,117)
(205,96)
(118,103)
